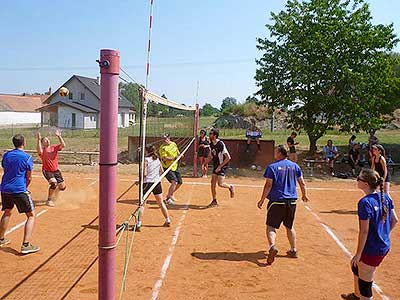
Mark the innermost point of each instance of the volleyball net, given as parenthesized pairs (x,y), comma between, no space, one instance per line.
(161,117)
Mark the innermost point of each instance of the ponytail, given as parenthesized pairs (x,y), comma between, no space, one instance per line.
(384,208)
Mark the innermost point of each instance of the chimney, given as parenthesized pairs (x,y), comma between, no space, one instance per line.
(98,80)
(49,90)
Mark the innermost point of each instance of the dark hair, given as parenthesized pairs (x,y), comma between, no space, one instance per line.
(215,131)
(373,179)
(294,133)
(18,140)
(380,148)
(203,131)
(330,141)
(353,137)
(282,150)
(151,151)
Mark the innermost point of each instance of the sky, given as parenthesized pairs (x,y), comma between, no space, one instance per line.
(209,43)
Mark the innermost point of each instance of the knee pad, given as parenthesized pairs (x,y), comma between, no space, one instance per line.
(365,288)
(63,188)
(53,185)
(354,269)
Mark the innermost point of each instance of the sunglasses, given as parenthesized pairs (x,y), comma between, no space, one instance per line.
(360,179)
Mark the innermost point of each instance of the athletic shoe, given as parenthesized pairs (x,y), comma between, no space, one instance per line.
(50,203)
(213,203)
(167,224)
(292,253)
(271,255)
(137,227)
(169,201)
(232,190)
(29,249)
(350,296)
(4,242)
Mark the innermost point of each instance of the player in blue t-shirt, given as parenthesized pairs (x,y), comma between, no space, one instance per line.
(377,218)
(17,166)
(281,177)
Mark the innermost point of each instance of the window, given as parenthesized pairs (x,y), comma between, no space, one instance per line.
(92,118)
(82,96)
(71,96)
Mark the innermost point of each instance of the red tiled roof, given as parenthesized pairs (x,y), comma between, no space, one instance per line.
(19,103)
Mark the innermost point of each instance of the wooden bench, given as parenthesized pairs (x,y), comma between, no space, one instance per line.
(310,164)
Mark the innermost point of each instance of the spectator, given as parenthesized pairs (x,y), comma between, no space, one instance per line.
(372,140)
(354,158)
(330,154)
(292,146)
(253,133)
(352,141)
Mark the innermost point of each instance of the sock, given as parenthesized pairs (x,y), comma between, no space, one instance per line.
(168,220)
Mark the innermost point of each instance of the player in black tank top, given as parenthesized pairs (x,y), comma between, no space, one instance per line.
(380,166)
(220,158)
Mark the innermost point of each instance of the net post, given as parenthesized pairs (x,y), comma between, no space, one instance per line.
(196,141)
(109,69)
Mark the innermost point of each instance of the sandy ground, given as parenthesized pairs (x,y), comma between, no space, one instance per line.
(219,252)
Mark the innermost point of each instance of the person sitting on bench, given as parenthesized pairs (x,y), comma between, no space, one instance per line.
(253,133)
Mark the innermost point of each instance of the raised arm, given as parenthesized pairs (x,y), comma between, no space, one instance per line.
(39,149)
(60,139)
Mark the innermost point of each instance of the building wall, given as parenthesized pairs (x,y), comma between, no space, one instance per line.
(123,117)
(90,121)
(76,88)
(10,117)
(65,117)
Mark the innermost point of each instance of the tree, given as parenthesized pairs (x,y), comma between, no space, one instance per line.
(131,92)
(208,110)
(327,65)
(228,102)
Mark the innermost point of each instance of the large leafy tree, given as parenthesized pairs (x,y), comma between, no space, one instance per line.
(208,110)
(228,102)
(327,65)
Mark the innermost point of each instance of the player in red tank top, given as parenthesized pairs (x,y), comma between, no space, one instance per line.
(49,155)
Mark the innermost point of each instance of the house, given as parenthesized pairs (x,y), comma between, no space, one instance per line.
(20,109)
(81,108)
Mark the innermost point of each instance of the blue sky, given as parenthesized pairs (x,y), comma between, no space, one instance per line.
(211,41)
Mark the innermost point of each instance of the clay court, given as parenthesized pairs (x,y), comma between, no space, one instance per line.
(216,253)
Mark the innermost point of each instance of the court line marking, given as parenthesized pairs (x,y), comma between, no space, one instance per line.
(167,261)
(23,223)
(376,287)
(37,215)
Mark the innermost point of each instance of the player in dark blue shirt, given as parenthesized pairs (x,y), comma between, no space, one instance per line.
(281,178)
(377,218)
(17,166)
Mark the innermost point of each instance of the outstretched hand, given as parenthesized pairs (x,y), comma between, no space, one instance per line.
(57,133)
(38,135)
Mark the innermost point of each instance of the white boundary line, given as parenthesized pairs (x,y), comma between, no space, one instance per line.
(343,247)
(37,215)
(23,223)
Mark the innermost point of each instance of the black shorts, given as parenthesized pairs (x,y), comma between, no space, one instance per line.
(56,175)
(220,173)
(157,189)
(203,152)
(174,176)
(23,202)
(278,212)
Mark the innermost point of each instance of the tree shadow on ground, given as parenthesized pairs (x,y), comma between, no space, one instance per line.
(170,207)
(252,257)
(339,212)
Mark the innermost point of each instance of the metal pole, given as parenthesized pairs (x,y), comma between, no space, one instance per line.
(109,68)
